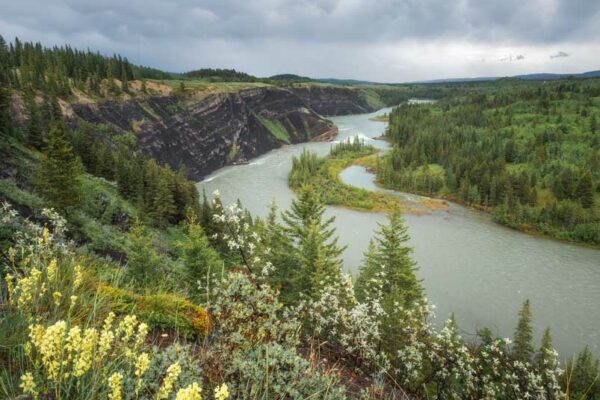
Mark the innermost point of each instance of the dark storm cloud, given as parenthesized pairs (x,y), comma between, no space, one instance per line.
(200,32)
(323,20)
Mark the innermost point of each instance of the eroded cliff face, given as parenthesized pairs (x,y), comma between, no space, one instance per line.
(332,100)
(222,128)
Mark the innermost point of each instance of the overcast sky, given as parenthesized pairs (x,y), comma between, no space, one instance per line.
(378,40)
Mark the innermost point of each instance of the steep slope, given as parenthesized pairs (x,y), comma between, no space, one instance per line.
(225,128)
(335,100)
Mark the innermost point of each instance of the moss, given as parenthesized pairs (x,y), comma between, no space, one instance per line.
(161,311)
(274,127)
(20,197)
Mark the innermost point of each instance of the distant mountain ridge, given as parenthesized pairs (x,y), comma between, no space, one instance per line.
(542,76)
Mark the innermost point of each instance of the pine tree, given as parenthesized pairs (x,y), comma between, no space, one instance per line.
(285,276)
(144,264)
(200,260)
(523,347)
(314,239)
(582,377)
(34,127)
(6,126)
(124,81)
(585,190)
(388,261)
(57,177)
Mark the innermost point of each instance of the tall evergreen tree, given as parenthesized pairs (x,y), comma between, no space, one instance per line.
(57,177)
(523,341)
(316,245)
(585,190)
(6,126)
(388,260)
(200,260)
(582,377)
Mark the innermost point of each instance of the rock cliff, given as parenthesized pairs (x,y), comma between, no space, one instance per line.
(224,128)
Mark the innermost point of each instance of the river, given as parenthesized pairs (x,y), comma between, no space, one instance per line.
(471,266)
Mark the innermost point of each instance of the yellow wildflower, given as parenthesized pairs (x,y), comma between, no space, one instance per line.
(9,284)
(73,301)
(57,296)
(26,291)
(127,326)
(73,343)
(28,385)
(51,348)
(141,334)
(84,359)
(192,392)
(78,276)
(52,270)
(172,374)
(114,382)
(222,392)
(106,339)
(141,366)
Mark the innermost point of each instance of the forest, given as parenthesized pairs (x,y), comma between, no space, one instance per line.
(527,152)
(121,281)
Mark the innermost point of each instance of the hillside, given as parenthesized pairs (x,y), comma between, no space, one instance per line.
(121,281)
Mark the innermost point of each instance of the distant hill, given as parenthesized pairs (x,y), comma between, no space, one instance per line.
(543,76)
(220,74)
(289,78)
(336,81)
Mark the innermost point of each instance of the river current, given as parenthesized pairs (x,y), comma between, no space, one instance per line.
(470,266)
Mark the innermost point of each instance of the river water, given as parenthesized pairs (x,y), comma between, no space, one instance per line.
(471,266)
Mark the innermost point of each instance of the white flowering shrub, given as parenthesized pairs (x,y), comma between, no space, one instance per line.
(236,230)
(336,318)
(254,346)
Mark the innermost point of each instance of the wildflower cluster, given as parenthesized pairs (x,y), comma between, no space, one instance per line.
(336,318)
(67,359)
(42,274)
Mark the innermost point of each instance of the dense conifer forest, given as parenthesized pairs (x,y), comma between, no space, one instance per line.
(529,153)
(121,281)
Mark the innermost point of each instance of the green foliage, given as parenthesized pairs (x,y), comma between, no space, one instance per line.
(144,264)
(200,260)
(256,348)
(316,245)
(581,376)
(388,258)
(57,177)
(523,348)
(520,149)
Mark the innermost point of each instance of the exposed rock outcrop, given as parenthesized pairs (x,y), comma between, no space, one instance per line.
(224,128)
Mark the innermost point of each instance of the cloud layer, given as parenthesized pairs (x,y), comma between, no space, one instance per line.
(384,40)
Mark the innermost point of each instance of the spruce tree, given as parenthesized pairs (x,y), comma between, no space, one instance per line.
(389,260)
(585,190)
(6,126)
(582,376)
(57,177)
(34,127)
(200,260)
(316,245)
(144,264)
(523,340)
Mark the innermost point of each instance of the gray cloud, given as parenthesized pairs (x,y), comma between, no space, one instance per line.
(559,54)
(270,36)
(520,57)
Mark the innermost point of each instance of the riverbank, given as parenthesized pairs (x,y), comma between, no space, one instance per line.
(324,175)
(369,162)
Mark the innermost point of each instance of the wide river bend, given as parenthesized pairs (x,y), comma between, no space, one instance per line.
(471,266)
